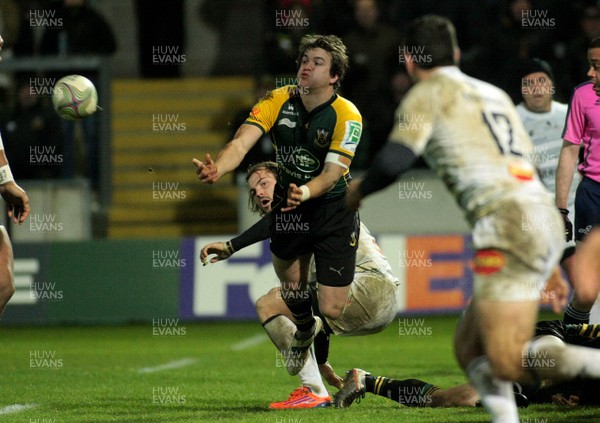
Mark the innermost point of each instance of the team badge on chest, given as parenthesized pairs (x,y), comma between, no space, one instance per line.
(321,138)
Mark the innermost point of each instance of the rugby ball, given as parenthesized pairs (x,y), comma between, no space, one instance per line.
(74,97)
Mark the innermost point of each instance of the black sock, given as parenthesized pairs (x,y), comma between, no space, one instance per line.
(573,316)
(409,392)
(584,330)
(301,308)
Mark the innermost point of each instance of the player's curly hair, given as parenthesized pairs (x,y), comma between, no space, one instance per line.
(266,165)
(331,44)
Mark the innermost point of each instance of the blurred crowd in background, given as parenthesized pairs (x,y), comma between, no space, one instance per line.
(495,36)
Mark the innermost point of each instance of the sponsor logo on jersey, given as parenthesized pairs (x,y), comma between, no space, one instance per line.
(352,135)
(305,161)
(255,111)
(290,110)
(286,122)
(321,139)
(488,262)
(585,230)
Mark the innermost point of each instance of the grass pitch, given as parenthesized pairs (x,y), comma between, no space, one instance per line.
(218,372)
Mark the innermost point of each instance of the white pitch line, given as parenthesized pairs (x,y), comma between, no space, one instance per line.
(176,364)
(250,342)
(15,408)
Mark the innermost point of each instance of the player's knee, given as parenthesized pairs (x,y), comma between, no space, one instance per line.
(7,289)
(463,354)
(331,311)
(265,305)
(7,285)
(585,297)
(508,366)
(466,348)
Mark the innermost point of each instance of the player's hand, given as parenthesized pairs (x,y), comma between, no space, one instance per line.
(556,291)
(17,200)
(330,376)
(354,197)
(219,249)
(568,225)
(294,198)
(207,170)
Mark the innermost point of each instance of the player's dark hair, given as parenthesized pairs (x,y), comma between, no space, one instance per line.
(594,43)
(269,167)
(431,41)
(331,44)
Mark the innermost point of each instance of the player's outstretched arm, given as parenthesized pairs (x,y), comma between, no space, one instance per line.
(223,250)
(229,157)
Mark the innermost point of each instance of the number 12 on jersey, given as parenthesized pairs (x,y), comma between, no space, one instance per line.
(501,130)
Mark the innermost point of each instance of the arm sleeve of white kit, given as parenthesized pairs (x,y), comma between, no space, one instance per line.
(414,119)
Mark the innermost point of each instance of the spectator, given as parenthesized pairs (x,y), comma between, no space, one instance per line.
(472,16)
(374,58)
(575,64)
(33,135)
(15,24)
(239,26)
(83,32)
(289,21)
(160,33)
(518,35)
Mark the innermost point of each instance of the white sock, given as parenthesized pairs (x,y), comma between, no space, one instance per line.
(496,395)
(281,330)
(552,359)
(311,377)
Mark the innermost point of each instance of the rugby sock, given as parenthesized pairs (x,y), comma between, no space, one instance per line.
(496,395)
(311,377)
(281,329)
(408,392)
(321,344)
(585,330)
(300,304)
(547,357)
(573,316)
